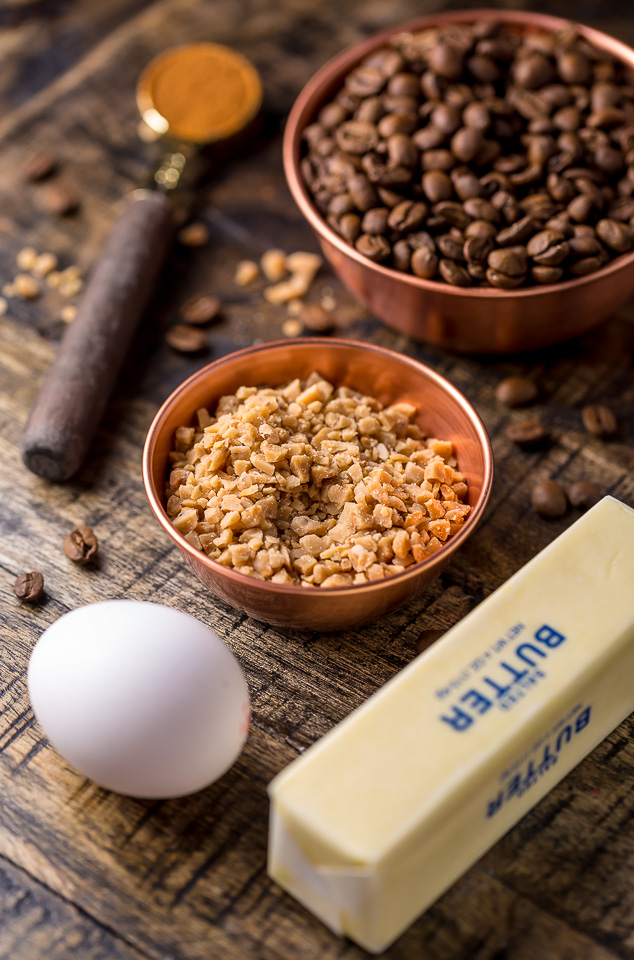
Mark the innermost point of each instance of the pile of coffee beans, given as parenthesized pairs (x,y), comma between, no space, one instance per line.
(477,154)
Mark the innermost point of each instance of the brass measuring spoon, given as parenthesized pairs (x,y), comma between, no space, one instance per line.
(192,95)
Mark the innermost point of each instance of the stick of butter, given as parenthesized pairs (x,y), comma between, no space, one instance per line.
(378,818)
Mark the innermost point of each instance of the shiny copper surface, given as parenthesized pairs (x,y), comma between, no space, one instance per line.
(467,320)
(388,376)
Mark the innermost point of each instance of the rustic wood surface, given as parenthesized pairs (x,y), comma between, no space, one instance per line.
(86,873)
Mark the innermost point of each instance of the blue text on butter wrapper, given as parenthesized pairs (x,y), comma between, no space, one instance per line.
(512,672)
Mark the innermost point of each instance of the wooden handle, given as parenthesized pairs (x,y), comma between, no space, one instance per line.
(75,391)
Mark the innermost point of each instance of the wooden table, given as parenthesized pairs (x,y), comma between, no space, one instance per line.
(86,873)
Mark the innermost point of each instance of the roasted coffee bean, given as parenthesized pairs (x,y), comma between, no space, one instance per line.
(533,71)
(437,186)
(404,85)
(375,220)
(437,160)
(573,67)
(362,193)
(453,273)
(476,271)
(350,227)
(201,309)
(477,249)
(316,319)
(582,268)
(549,499)
(503,280)
(515,391)
(466,184)
(453,213)
(598,420)
(560,189)
(29,587)
(446,61)
(466,143)
(480,228)
(60,199)
(546,274)
(476,116)
(375,248)
(387,60)
(511,261)
(424,263)
(357,136)
(365,81)
(80,545)
(340,205)
(186,339)
(370,110)
(585,246)
(39,166)
(548,248)
(446,118)
(579,208)
(615,235)
(481,209)
(428,138)
(450,247)
(407,216)
(393,123)
(389,198)
(402,150)
(528,434)
(401,255)
(332,115)
(583,494)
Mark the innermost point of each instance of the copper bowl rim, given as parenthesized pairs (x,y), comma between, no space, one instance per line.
(156,500)
(304,111)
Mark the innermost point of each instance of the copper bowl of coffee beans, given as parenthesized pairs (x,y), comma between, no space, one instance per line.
(470,176)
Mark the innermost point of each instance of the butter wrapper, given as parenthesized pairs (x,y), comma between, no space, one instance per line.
(379,817)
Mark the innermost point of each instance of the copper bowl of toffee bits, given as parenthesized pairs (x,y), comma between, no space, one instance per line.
(470,176)
(303,506)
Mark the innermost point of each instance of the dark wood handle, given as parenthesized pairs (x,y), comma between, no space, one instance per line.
(75,391)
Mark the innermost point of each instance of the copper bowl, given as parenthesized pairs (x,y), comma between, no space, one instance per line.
(467,320)
(381,373)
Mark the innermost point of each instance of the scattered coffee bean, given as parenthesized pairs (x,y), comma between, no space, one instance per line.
(316,319)
(60,199)
(186,339)
(200,309)
(194,235)
(29,587)
(598,420)
(583,494)
(519,138)
(80,545)
(515,391)
(527,434)
(39,166)
(426,637)
(549,499)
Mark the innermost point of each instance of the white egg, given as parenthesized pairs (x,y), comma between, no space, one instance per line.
(143,699)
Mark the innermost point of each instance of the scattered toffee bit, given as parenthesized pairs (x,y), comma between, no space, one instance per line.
(39,166)
(26,287)
(316,319)
(59,199)
(583,494)
(515,391)
(68,313)
(186,339)
(80,545)
(247,272)
(200,309)
(292,327)
(549,499)
(273,264)
(527,434)
(194,235)
(313,485)
(598,420)
(29,587)
(524,140)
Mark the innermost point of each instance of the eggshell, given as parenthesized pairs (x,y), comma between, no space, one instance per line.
(141,698)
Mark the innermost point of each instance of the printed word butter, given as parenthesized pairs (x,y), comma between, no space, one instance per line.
(377,819)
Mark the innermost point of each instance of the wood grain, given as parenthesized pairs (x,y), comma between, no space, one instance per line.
(87,873)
